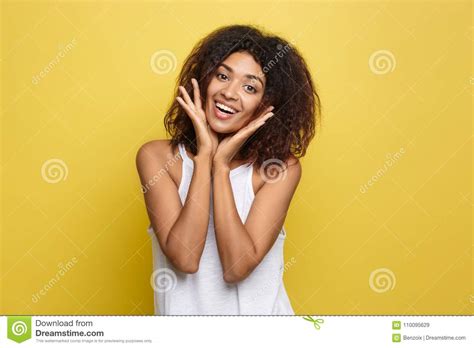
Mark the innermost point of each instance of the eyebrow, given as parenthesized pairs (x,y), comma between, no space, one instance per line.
(250,76)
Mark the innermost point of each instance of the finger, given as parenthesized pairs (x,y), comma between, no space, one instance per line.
(186,97)
(261,120)
(266,111)
(186,108)
(197,93)
(268,116)
(252,127)
(248,130)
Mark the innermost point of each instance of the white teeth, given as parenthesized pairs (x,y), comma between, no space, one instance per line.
(226,108)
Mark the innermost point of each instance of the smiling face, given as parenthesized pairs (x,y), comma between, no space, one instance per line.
(234,93)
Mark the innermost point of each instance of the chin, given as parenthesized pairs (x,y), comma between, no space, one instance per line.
(220,128)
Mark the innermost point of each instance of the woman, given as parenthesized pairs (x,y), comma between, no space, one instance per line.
(217,193)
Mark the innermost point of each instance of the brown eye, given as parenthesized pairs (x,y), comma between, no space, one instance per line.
(221,76)
(252,90)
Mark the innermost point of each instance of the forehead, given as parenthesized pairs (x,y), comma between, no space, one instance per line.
(242,63)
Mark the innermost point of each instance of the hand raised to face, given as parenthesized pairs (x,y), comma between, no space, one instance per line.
(230,146)
(206,140)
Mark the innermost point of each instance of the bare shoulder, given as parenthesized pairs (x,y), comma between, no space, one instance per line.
(291,166)
(291,170)
(158,156)
(154,154)
(293,161)
(272,171)
(154,151)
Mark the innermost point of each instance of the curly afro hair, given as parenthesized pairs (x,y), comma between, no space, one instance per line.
(289,88)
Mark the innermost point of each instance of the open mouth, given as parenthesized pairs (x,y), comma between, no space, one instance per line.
(225,109)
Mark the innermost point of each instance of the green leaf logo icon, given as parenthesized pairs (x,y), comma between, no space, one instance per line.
(19,328)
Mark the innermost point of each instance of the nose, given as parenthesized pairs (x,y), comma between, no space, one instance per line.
(230,91)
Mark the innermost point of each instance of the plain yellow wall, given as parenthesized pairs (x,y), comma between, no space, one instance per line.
(395,82)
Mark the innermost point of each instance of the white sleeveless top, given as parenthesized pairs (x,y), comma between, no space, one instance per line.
(205,292)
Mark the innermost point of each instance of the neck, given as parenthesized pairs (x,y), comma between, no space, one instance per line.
(222,136)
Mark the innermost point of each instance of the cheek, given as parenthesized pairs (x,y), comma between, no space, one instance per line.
(212,87)
(209,97)
(251,106)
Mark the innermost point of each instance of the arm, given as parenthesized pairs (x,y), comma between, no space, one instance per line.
(242,247)
(181,230)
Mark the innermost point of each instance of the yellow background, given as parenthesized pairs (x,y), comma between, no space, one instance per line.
(101,100)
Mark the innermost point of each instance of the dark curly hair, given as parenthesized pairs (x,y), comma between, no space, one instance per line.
(289,88)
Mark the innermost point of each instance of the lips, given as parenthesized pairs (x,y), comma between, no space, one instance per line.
(221,114)
(226,108)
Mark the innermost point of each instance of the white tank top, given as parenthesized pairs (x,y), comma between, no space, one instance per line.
(205,292)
